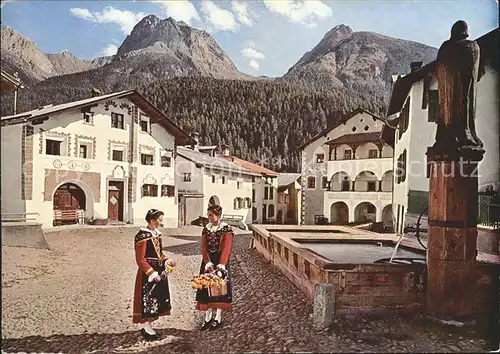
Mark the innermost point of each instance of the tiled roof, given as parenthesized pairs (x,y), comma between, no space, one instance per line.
(181,137)
(210,162)
(355,138)
(285,179)
(251,166)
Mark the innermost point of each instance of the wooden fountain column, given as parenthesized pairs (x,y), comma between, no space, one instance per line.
(453,190)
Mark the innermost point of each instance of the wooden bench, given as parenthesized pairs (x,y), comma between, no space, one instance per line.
(19,217)
(68,215)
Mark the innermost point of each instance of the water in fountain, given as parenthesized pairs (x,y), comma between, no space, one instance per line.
(365,253)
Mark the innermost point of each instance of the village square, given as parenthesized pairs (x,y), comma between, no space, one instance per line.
(383,238)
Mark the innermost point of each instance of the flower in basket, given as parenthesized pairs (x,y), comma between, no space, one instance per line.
(208,280)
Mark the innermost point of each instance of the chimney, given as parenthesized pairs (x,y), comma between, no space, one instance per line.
(225,150)
(415,65)
(196,138)
(95,92)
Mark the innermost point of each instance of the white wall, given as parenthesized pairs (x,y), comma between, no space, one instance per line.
(318,201)
(101,136)
(11,172)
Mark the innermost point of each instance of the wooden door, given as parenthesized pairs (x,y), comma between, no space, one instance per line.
(69,197)
(113,205)
(343,214)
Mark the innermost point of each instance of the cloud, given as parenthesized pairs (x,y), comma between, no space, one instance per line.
(110,50)
(300,11)
(125,19)
(249,52)
(180,10)
(218,18)
(255,65)
(241,11)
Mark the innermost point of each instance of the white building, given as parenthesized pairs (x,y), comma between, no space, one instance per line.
(347,172)
(289,198)
(414,106)
(110,157)
(205,179)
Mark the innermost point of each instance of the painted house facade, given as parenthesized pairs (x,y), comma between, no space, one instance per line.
(347,172)
(110,157)
(204,179)
(411,129)
(289,199)
(264,189)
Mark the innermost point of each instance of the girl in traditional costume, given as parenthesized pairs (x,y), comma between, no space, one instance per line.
(216,243)
(151,293)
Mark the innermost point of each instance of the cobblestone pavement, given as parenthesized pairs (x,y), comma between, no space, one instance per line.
(77,297)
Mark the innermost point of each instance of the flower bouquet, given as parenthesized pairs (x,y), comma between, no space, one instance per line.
(169,266)
(214,281)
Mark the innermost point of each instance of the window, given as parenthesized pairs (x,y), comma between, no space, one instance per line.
(266,193)
(287,199)
(370,209)
(320,158)
(144,126)
(248,203)
(253,195)
(281,198)
(53,147)
(83,151)
(271,193)
(404,120)
(238,184)
(253,179)
(254,213)
(371,186)
(117,121)
(149,190)
(373,153)
(147,159)
(223,179)
(347,154)
(166,161)
(270,211)
(187,177)
(401,169)
(214,179)
(167,191)
(324,182)
(117,155)
(88,117)
(345,186)
(311,182)
(433,112)
(236,203)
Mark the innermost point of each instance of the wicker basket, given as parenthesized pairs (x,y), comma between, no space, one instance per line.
(217,290)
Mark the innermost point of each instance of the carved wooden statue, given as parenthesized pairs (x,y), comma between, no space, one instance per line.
(457,73)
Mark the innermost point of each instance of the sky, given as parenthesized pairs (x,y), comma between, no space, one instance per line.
(262,37)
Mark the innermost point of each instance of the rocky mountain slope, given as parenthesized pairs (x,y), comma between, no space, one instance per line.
(22,55)
(358,60)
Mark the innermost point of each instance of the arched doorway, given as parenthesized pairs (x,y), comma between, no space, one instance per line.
(365,212)
(339,213)
(69,203)
(214,200)
(387,215)
(279,217)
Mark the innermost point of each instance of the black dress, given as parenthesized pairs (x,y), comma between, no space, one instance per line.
(216,248)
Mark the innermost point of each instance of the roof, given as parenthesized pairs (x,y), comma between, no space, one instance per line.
(210,162)
(341,121)
(285,179)
(488,44)
(9,83)
(156,116)
(355,138)
(251,166)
